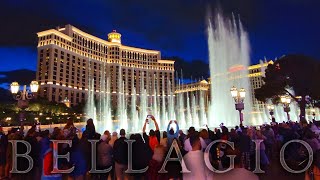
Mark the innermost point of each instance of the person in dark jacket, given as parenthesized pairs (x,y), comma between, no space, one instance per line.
(77,152)
(140,149)
(90,131)
(35,153)
(244,145)
(89,134)
(120,148)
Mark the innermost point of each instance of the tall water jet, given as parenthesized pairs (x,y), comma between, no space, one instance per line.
(194,111)
(123,109)
(134,113)
(122,105)
(90,108)
(143,102)
(203,114)
(155,104)
(164,118)
(101,99)
(181,109)
(107,116)
(172,115)
(229,57)
(188,111)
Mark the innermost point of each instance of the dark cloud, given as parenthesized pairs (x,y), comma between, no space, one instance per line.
(22,76)
(163,22)
(176,27)
(21,20)
(158,22)
(186,69)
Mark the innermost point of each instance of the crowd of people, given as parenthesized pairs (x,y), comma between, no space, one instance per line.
(153,149)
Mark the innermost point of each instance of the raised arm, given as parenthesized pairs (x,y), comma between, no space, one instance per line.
(168,128)
(155,123)
(144,126)
(177,130)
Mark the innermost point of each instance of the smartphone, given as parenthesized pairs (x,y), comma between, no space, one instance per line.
(148,118)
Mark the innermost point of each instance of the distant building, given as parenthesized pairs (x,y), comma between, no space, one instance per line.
(193,87)
(256,73)
(70,62)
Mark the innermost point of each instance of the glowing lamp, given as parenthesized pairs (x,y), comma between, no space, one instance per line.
(242,93)
(34,86)
(270,107)
(14,87)
(288,100)
(283,99)
(234,92)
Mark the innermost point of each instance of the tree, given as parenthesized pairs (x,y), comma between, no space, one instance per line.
(5,96)
(297,72)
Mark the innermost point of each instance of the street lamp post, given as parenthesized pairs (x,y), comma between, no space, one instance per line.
(238,96)
(23,96)
(286,100)
(270,107)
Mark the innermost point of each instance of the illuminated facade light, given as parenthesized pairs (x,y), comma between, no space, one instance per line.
(83,48)
(255,74)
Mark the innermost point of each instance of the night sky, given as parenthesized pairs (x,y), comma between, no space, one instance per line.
(175,27)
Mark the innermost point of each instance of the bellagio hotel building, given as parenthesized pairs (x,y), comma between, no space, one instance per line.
(70,59)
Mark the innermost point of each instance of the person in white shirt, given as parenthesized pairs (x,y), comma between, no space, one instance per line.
(194,161)
(187,145)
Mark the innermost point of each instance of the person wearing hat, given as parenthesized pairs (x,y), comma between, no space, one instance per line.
(120,156)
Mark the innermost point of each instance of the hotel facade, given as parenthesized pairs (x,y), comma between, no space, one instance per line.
(255,73)
(72,62)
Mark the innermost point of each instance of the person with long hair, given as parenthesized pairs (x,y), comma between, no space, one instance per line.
(154,135)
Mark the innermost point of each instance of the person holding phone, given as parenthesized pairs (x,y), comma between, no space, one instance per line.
(154,135)
(171,135)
